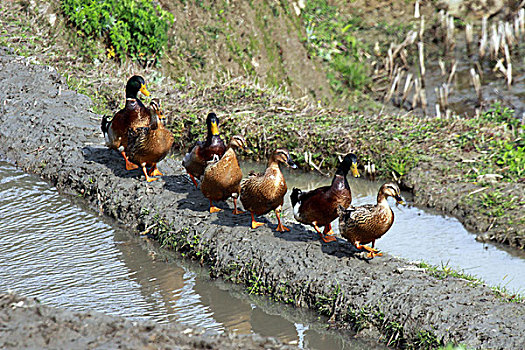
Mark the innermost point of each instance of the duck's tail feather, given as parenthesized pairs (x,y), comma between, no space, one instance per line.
(294,197)
(106,122)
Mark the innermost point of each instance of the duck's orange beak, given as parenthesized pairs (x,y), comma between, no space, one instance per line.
(144,90)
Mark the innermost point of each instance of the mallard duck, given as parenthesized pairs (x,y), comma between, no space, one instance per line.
(366,223)
(133,115)
(149,145)
(319,207)
(196,159)
(222,178)
(262,193)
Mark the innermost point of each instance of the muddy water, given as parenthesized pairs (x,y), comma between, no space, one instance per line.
(421,235)
(463,98)
(67,257)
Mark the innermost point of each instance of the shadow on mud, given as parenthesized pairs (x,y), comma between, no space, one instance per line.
(339,248)
(343,249)
(111,159)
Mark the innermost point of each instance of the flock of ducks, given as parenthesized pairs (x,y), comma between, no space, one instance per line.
(138,133)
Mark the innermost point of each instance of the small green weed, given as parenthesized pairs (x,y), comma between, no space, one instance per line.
(329,36)
(135,28)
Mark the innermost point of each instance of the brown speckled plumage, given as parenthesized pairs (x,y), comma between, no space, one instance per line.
(222,179)
(262,193)
(365,224)
(149,145)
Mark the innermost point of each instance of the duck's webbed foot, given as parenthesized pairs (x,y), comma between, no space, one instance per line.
(154,171)
(327,238)
(129,165)
(372,252)
(327,235)
(148,178)
(280,226)
(214,209)
(255,224)
(235,210)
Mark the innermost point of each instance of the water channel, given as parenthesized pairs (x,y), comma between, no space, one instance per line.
(56,250)
(60,252)
(423,235)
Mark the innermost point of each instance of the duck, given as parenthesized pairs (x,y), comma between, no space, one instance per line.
(318,207)
(222,177)
(133,115)
(264,192)
(198,155)
(149,145)
(364,224)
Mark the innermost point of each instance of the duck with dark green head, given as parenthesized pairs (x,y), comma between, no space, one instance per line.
(318,207)
(133,115)
(200,153)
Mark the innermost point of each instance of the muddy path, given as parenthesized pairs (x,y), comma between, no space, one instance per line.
(48,130)
(27,324)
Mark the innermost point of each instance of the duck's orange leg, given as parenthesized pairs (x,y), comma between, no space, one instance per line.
(280,226)
(148,179)
(255,224)
(154,171)
(194,181)
(327,235)
(214,209)
(324,238)
(372,252)
(235,210)
(129,165)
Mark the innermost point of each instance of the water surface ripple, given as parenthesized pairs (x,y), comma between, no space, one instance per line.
(423,235)
(54,250)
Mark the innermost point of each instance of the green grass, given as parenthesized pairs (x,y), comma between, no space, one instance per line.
(330,36)
(134,28)
(444,271)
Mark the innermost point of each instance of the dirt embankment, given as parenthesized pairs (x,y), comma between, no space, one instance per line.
(27,324)
(442,161)
(48,130)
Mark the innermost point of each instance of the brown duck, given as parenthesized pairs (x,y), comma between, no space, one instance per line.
(222,178)
(133,115)
(366,223)
(318,207)
(149,145)
(262,193)
(196,159)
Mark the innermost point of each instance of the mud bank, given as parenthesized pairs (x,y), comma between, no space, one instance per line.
(48,130)
(431,188)
(29,324)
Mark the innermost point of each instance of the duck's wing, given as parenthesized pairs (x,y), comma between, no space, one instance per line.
(355,216)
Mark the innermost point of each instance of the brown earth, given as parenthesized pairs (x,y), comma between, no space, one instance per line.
(435,171)
(27,324)
(47,129)
(249,38)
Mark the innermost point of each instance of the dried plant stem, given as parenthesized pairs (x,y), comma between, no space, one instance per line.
(421,48)
(477,84)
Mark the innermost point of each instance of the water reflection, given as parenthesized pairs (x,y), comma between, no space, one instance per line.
(54,250)
(423,234)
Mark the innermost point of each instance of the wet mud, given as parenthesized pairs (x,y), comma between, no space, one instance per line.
(48,130)
(27,324)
